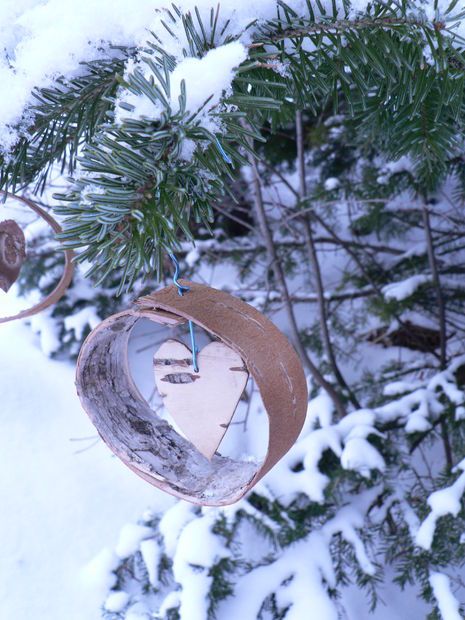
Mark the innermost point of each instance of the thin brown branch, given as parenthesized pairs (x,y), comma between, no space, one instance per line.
(442,322)
(347,24)
(437,285)
(315,265)
(278,271)
(234,218)
(226,250)
(295,298)
(377,289)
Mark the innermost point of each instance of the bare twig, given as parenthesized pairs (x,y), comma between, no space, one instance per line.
(309,241)
(278,271)
(377,289)
(347,24)
(437,285)
(296,298)
(234,218)
(442,322)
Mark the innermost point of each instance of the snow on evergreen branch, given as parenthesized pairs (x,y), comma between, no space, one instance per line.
(442,502)
(190,562)
(447,603)
(42,40)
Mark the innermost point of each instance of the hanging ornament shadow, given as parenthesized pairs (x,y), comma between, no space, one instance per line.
(13,254)
(189,466)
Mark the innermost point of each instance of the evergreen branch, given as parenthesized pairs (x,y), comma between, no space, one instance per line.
(138,195)
(65,118)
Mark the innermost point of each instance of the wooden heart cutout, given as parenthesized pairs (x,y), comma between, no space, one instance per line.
(12,253)
(201,403)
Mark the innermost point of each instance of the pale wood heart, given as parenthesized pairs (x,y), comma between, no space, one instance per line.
(201,403)
(12,253)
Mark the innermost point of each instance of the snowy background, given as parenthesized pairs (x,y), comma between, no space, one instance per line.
(69,507)
(61,502)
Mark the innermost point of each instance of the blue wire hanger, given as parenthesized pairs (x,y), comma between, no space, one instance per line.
(181,290)
(185,289)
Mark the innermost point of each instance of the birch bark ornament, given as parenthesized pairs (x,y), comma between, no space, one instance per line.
(12,238)
(148,444)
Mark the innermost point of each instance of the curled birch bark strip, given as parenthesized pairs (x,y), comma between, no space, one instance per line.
(149,445)
(12,253)
(68,268)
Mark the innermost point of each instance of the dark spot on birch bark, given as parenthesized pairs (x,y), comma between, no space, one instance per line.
(12,253)
(165,361)
(141,426)
(180,377)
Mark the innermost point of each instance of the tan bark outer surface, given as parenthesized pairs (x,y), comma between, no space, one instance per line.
(148,444)
(68,268)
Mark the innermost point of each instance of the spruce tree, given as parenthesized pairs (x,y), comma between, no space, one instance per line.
(327,170)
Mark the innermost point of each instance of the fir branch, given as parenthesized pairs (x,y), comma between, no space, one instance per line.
(66,117)
(344,25)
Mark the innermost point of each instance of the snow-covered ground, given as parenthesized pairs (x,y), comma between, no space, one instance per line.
(61,503)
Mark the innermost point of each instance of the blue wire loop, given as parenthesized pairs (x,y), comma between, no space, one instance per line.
(181,290)
(185,289)
(224,155)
